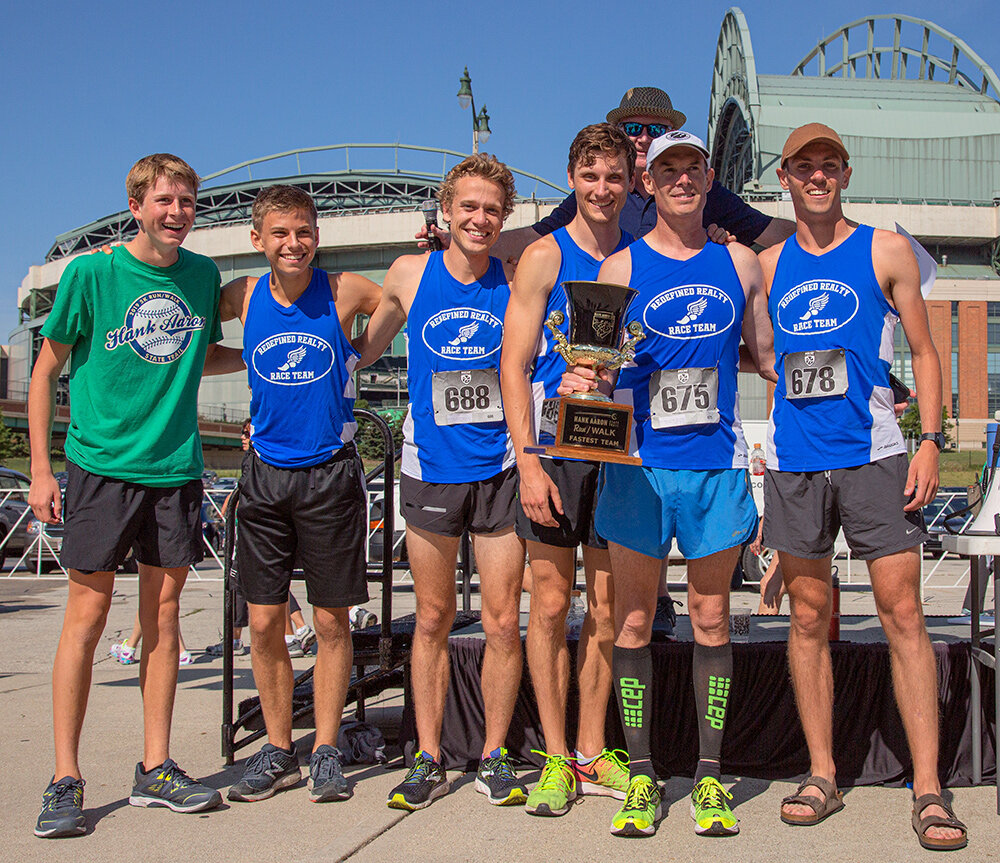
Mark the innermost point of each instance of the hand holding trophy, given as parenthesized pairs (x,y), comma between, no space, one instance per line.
(590,425)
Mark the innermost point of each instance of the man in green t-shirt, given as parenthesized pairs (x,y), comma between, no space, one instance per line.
(141,322)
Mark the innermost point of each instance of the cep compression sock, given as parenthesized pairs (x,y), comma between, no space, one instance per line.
(633,672)
(713,674)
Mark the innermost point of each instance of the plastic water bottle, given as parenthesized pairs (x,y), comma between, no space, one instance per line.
(574,617)
(757,461)
(835,611)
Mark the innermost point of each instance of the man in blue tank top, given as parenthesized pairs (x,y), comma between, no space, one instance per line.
(458,469)
(301,496)
(557,497)
(695,301)
(836,459)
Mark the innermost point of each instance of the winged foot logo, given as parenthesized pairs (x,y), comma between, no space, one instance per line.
(817,306)
(463,334)
(293,359)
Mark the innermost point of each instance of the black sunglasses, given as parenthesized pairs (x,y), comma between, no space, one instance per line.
(634,130)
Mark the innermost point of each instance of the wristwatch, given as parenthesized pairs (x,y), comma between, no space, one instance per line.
(937,437)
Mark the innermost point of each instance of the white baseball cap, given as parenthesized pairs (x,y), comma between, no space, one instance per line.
(677,138)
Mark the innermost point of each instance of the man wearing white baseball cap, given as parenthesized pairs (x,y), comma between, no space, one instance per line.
(695,301)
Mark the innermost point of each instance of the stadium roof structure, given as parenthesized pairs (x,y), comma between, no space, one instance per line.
(916,107)
(343,191)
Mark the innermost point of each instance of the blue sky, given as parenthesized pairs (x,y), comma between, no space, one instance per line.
(89,88)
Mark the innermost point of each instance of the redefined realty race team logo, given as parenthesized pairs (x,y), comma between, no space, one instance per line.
(817,306)
(293,359)
(690,312)
(158,326)
(463,334)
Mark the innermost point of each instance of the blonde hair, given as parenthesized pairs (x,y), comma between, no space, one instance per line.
(144,174)
(480,165)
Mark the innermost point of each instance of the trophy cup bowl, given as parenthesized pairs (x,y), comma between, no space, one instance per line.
(590,425)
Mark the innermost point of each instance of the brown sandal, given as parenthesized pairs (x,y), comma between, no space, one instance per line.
(921,825)
(822,808)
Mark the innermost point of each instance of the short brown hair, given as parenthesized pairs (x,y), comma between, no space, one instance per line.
(144,174)
(480,165)
(282,199)
(600,139)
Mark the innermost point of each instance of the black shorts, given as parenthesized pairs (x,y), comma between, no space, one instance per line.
(105,517)
(803,512)
(577,482)
(316,517)
(451,508)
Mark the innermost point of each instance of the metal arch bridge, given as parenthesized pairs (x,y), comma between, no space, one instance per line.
(734,105)
(343,191)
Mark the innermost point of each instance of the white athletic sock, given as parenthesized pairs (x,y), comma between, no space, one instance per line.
(302,630)
(583,759)
(289,639)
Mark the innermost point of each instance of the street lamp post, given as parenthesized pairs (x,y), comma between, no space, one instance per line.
(480,121)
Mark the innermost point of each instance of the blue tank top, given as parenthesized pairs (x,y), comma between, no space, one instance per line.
(299,364)
(692,314)
(454,333)
(831,320)
(549,366)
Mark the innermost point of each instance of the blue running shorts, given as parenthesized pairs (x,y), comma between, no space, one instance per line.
(644,508)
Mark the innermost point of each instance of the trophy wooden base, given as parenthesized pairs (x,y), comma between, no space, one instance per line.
(591,430)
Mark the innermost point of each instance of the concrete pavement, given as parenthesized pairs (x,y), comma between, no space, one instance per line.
(462,826)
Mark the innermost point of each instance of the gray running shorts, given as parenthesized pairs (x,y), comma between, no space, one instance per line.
(804,512)
(451,508)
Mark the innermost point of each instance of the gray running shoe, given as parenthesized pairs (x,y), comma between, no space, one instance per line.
(306,638)
(168,785)
(361,618)
(269,770)
(295,648)
(62,809)
(326,775)
(239,648)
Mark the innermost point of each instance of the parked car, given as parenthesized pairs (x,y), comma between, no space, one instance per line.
(19,527)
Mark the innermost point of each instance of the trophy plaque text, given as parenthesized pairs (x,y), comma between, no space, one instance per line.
(589,425)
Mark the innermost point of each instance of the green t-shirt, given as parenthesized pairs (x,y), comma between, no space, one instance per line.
(139,335)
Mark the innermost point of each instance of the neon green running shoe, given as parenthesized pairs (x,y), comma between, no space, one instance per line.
(605,776)
(556,787)
(640,811)
(710,811)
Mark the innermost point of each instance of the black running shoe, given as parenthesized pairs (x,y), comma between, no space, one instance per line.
(497,780)
(168,785)
(425,781)
(665,618)
(62,809)
(326,775)
(267,771)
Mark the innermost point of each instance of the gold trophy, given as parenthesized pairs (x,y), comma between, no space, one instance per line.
(589,425)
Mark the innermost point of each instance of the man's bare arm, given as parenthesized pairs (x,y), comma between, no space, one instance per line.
(777,231)
(509,247)
(389,315)
(220,360)
(897,271)
(533,282)
(233,297)
(44,496)
(757,333)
